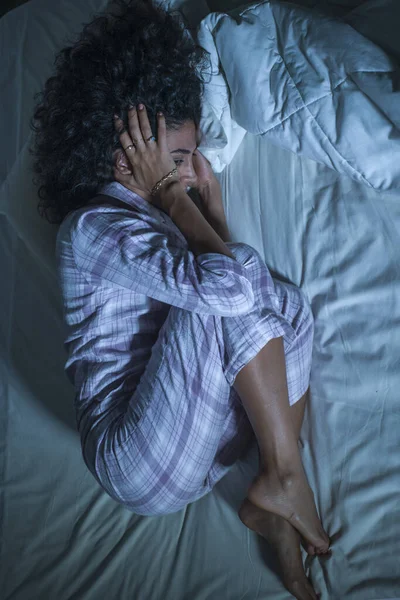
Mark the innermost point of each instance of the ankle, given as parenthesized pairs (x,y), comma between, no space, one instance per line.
(282,458)
(284,470)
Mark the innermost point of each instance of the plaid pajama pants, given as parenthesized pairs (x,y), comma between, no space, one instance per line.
(185,426)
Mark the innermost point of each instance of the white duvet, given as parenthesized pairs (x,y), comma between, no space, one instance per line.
(309,83)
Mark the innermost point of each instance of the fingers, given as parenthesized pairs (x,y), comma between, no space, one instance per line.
(139,130)
(144,123)
(161,131)
(134,126)
(124,137)
(201,156)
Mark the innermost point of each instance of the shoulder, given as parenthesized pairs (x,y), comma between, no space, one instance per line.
(92,223)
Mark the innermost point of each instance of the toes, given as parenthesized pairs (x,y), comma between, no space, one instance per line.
(323,550)
(309,548)
(285,539)
(324,547)
(325,554)
(314,551)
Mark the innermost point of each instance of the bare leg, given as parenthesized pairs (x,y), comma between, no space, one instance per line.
(280,534)
(281,487)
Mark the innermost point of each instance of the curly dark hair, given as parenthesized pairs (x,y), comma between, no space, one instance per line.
(134,52)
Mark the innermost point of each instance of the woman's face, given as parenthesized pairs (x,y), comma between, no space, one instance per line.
(182,143)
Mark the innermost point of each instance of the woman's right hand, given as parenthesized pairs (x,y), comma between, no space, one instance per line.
(150,159)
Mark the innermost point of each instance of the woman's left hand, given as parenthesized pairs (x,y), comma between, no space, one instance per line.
(206,179)
(208,188)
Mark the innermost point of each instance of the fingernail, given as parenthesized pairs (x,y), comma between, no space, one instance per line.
(141,107)
(160,114)
(116,117)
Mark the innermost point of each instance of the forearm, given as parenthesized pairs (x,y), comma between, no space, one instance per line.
(218,223)
(199,233)
(211,207)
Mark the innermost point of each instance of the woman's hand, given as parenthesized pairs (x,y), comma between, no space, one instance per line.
(150,159)
(210,193)
(207,185)
(204,173)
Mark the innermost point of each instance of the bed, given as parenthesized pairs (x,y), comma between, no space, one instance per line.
(61,536)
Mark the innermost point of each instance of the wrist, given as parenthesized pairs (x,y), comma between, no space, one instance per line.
(212,203)
(170,194)
(209,190)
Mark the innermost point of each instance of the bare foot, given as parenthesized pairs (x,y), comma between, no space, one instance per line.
(291,497)
(286,542)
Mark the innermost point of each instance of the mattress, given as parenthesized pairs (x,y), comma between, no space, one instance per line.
(61,536)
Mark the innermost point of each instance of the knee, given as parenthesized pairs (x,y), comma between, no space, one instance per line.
(130,474)
(134,488)
(136,497)
(148,505)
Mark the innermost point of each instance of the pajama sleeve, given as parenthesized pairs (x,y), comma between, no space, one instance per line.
(113,249)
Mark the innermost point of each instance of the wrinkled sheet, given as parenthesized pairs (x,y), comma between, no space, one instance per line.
(60,535)
(308,82)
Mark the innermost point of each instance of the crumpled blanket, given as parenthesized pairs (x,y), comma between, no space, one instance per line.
(308,82)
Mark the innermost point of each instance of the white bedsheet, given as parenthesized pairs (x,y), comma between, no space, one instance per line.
(61,536)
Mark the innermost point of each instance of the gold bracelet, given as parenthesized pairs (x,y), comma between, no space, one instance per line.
(159,183)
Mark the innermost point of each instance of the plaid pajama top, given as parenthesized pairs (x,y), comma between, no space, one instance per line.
(121,270)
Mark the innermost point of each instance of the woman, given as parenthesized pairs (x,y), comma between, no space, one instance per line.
(181,345)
